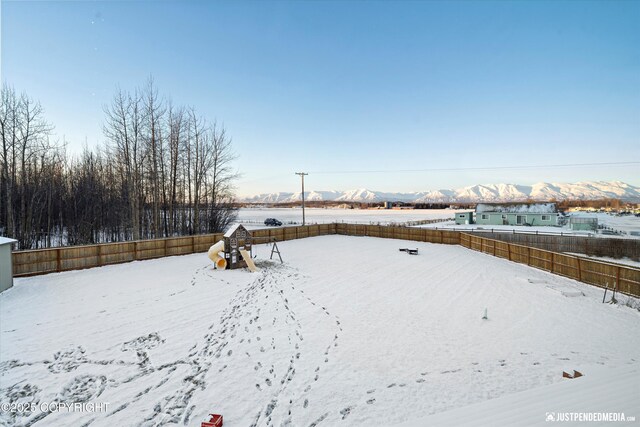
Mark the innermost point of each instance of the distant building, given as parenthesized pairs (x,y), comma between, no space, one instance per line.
(464,218)
(517,214)
(387,205)
(583,223)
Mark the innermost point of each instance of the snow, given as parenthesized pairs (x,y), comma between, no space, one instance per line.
(348,330)
(6,241)
(622,224)
(360,216)
(232,230)
(517,208)
(475,193)
(603,391)
(541,229)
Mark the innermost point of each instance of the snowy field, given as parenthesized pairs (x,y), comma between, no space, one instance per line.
(624,223)
(254,218)
(347,332)
(517,228)
(353,216)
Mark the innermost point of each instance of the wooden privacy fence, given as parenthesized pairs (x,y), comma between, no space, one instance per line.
(601,246)
(405,233)
(42,261)
(602,274)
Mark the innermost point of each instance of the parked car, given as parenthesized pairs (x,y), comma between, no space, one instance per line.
(272,221)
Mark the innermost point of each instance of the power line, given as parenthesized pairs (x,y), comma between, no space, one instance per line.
(566,165)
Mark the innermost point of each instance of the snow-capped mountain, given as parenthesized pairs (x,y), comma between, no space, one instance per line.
(475,193)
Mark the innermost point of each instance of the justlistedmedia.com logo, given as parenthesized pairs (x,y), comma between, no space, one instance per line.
(588,417)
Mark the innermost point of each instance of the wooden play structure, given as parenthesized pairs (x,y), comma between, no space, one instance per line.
(234,251)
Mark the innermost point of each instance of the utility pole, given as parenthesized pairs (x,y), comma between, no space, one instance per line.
(302,174)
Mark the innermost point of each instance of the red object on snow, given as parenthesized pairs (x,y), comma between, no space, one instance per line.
(215,421)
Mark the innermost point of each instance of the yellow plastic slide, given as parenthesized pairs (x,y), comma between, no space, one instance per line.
(248,260)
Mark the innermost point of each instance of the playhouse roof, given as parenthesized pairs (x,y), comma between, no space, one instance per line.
(542,208)
(233,229)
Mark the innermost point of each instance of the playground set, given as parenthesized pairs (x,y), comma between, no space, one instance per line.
(235,250)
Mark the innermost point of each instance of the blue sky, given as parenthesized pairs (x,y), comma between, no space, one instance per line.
(323,86)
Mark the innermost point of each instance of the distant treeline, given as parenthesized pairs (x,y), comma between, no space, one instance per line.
(596,204)
(162,171)
(349,205)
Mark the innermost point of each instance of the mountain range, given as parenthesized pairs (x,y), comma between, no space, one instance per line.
(473,194)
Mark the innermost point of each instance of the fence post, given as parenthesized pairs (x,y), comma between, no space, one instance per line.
(552,259)
(99,260)
(165,247)
(509,250)
(579,270)
(528,255)
(193,244)
(58,262)
(618,278)
(135,250)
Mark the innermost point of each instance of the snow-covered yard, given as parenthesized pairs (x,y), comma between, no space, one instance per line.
(348,331)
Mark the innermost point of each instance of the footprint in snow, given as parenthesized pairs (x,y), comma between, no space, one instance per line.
(346,411)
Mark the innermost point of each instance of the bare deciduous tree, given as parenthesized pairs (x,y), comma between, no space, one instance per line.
(163,171)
